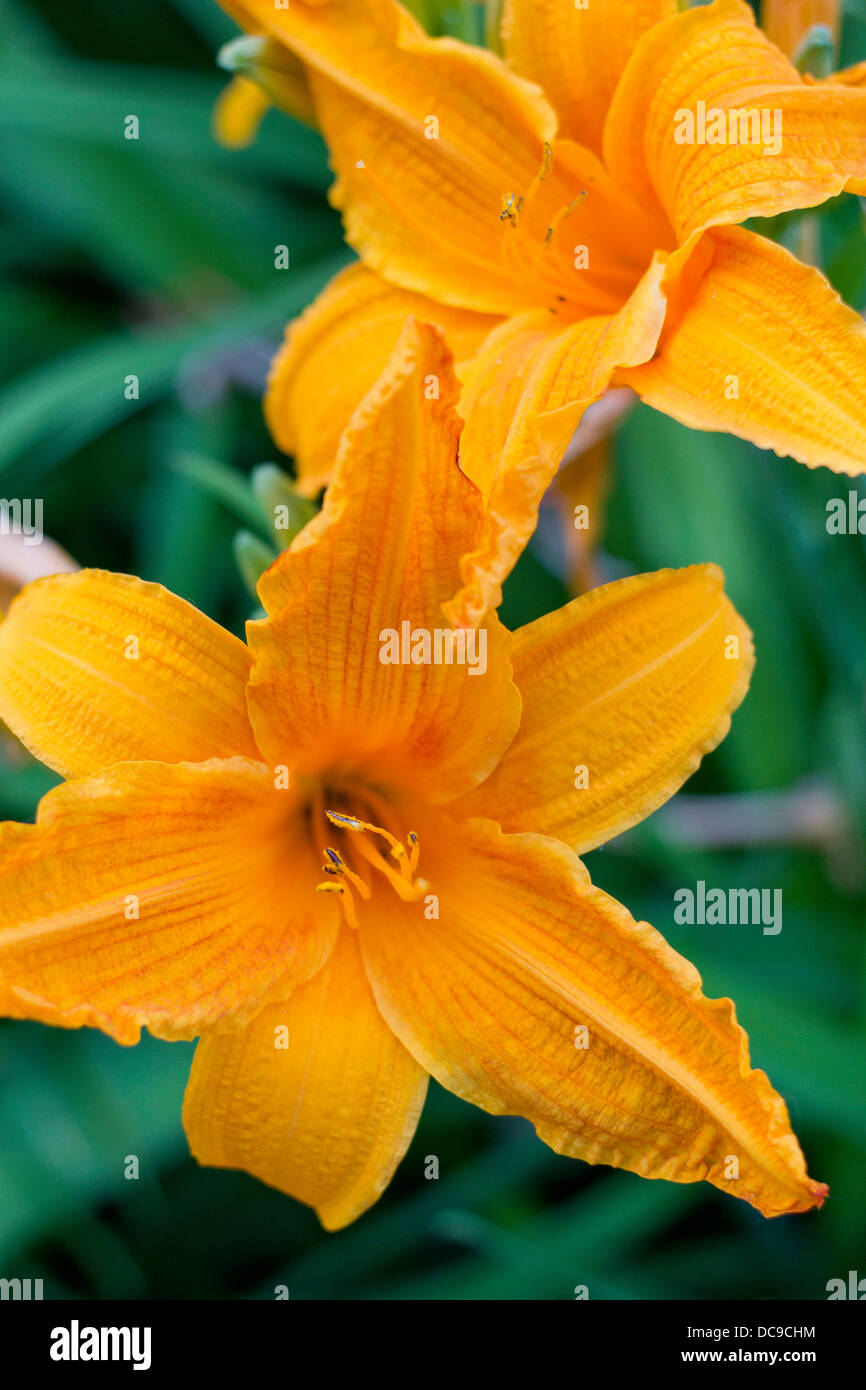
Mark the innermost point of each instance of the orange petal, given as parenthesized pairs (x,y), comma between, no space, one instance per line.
(238,113)
(99,668)
(267,74)
(854,76)
(536,994)
(525,394)
(426,135)
(329,688)
(171,897)
(316,1096)
(787,22)
(715,54)
(336,351)
(624,691)
(577,54)
(764,348)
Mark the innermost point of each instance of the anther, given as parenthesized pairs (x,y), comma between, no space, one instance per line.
(510,209)
(339,868)
(402,882)
(414,852)
(350,822)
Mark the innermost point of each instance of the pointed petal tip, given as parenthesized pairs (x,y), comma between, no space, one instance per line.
(812,1197)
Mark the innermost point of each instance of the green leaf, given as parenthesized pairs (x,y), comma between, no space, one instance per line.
(252,556)
(277,495)
(80,394)
(227,484)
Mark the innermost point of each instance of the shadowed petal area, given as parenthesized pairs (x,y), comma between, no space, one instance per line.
(336,351)
(426,136)
(171,897)
(716,55)
(328,690)
(577,54)
(493,999)
(316,1096)
(624,690)
(763,347)
(99,668)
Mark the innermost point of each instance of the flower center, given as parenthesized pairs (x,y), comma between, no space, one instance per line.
(574,239)
(343,879)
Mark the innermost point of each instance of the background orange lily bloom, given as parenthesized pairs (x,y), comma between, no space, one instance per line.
(788,22)
(172,881)
(539,209)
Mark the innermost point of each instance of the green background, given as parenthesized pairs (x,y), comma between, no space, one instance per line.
(157,257)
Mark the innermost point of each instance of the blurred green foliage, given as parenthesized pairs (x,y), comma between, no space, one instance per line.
(156,258)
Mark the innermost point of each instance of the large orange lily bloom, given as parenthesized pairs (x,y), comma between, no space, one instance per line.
(173,881)
(540,210)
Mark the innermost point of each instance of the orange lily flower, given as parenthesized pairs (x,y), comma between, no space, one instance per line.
(540,209)
(172,881)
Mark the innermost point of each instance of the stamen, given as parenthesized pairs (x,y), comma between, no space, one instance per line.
(403,882)
(414,852)
(524,252)
(352,823)
(401,885)
(339,866)
(562,214)
(346,901)
(511,209)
